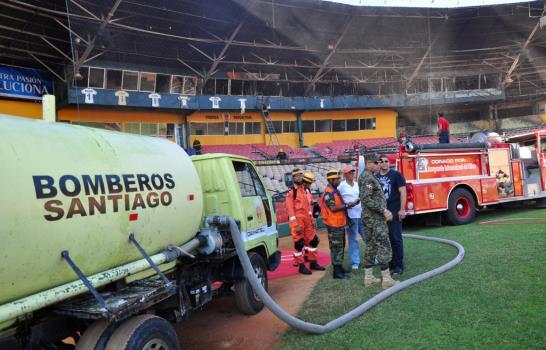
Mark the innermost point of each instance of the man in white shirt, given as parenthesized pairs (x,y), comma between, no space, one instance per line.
(350,193)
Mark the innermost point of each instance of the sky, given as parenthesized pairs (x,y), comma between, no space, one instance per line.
(426,3)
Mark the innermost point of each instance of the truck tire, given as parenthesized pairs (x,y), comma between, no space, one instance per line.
(95,336)
(247,301)
(540,203)
(144,332)
(461,208)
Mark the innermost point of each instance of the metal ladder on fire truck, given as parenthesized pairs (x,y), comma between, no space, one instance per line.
(269,127)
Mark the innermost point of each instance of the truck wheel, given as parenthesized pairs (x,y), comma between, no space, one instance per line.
(247,301)
(461,208)
(95,336)
(540,203)
(144,332)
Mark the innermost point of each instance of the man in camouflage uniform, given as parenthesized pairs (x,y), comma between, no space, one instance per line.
(375,216)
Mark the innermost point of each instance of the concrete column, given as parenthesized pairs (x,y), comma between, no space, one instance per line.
(187,130)
(48,108)
(496,114)
(493,117)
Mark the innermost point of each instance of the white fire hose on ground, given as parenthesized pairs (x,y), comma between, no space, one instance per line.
(349,316)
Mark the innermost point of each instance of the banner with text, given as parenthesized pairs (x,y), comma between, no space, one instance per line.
(24,82)
(448,166)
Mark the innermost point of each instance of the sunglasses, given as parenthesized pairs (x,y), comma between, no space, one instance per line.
(384,161)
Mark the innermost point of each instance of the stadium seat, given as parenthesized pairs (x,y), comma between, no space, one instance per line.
(271,151)
(332,150)
(248,151)
(258,151)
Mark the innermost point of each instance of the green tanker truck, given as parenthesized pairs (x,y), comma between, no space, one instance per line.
(107,238)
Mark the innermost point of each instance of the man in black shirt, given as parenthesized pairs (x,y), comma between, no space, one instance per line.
(394,188)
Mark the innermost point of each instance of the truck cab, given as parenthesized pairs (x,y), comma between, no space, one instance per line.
(232,187)
(239,192)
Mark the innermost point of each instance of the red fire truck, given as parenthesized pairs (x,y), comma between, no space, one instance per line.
(454,180)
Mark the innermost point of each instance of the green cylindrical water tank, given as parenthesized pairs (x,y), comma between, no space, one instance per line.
(84,190)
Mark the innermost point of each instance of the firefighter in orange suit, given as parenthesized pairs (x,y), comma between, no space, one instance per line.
(308,180)
(310,253)
(301,223)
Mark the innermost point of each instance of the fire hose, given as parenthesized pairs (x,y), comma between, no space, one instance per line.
(347,317)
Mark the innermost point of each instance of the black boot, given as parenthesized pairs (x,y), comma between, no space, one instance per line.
(345,271)
(338,272)
(304,270)
(315,266)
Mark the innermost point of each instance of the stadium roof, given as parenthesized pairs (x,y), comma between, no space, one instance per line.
(306,47)
(426,3)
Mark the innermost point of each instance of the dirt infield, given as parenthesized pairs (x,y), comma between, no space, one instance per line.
(515,221)
(221,326)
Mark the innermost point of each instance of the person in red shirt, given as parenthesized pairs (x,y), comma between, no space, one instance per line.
(443,128)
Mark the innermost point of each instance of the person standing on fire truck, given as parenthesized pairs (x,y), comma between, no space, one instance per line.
(443,128)
(375,216)
(301,224)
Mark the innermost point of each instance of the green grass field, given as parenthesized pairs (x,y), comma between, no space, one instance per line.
(495,299)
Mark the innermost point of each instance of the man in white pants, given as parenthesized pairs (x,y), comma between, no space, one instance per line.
(350,193)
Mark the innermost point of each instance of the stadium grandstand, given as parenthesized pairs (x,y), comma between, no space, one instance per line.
(315,79)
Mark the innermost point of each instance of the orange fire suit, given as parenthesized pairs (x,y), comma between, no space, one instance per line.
(301,222)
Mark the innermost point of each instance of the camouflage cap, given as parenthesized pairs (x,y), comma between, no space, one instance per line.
(371,157)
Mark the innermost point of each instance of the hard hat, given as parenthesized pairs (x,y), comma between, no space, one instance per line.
(333,174)
(309,178)
(297,171)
